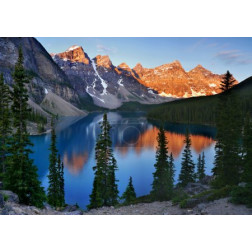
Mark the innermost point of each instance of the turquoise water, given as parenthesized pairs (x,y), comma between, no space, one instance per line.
(134,144)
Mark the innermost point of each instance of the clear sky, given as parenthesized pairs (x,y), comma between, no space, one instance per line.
(216,54)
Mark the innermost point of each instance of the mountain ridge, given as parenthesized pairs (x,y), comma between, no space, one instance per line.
(168,80)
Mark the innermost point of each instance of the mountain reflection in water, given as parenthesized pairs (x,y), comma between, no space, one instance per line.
(134,144)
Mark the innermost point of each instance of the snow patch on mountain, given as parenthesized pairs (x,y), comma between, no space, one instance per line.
(200,93)
(120,82)
(72,48)
(212,85)
(94,96)
(104,84)
(163,94)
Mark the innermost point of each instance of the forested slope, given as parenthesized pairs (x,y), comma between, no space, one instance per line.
(202,109)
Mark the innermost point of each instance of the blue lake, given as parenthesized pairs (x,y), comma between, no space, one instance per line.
(134,145)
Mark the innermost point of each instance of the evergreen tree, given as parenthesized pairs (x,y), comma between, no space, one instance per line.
(21,174)
(60,166)
(172,168)
(129,196)
(162,185)
(247,146)
(227,82)
(105,192)
(187,173)
(227,164)
(55,191)
(112,186)
(5,123)
(201,167)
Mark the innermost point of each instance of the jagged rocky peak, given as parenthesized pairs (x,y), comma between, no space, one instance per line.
(169,66)
(138,67)
(103,61)
(124,66)
(74,53)
(199,69)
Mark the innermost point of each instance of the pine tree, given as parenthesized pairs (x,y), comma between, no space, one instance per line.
(55,191)
(21,174)
(187,173)
(113,189)
(162,185)
(61,182)
(172,168)
(5,124)
(105,192)
(227,82)
(247,146)
(129,196)
(201,167)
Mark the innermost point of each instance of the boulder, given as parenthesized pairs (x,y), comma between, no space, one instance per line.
(207,180)
(195,188)
(10,196)
(71,208)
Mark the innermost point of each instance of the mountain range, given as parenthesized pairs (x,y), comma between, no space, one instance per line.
(69,82)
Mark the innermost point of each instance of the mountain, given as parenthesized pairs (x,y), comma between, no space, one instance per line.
(202,110)
(94,84)
(171,80)
(108,85)
(44,75)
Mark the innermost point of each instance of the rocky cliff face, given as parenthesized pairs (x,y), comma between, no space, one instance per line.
(171,80)
(42,70)
(109,86)
(74,54)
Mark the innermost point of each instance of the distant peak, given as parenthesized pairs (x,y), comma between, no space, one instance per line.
(200,68)
(75,53)
(138,66)
(176,62)
(103,60)
(124,66)
(74,47)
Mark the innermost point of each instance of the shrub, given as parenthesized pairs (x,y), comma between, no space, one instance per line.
(220,193)
(178,196)
(242,195)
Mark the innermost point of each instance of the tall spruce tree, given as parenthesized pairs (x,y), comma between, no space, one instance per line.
(227,164)
(187,173)
(55,191)
(61,182)
(129,196)
(172,168)
(162,185)
(201,167)
(5,124)
(227,82)
(21,174)
(247,148)
(105,192)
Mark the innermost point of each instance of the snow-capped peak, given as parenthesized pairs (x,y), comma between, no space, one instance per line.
(72,48)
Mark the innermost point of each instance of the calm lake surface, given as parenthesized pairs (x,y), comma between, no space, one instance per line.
(134,144)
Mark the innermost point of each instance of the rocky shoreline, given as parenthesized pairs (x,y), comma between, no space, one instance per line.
(9,205)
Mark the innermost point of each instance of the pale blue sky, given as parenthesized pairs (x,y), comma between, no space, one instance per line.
(215,54)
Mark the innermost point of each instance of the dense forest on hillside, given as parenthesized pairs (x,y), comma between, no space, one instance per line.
(202,110)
